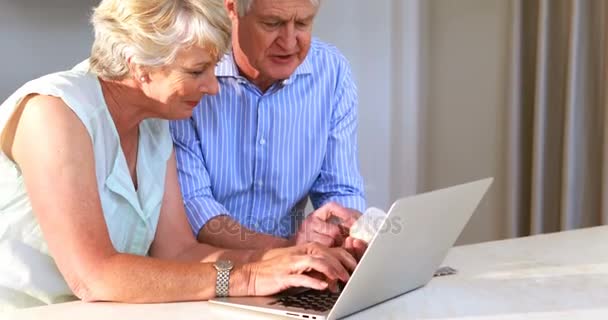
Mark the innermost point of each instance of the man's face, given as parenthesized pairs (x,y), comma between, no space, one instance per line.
(272,39)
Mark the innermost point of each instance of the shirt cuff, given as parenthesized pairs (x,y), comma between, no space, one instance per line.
(200,211)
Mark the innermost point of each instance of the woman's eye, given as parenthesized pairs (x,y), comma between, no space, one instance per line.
(196,73)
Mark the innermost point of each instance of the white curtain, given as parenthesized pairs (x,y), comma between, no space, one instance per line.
(557,157)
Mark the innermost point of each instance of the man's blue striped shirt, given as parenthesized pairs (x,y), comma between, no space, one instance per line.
(257,156)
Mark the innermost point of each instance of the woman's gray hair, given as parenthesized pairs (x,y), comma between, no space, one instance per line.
(243,6)
(150,33)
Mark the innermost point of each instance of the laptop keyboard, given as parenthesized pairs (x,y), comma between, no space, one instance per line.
(320,301)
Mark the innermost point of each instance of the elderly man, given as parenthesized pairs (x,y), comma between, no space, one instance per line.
(281,129)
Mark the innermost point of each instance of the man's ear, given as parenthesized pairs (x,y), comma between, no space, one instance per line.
(231,9)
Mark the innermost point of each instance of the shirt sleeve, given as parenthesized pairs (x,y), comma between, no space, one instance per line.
(340,180)
(194,179)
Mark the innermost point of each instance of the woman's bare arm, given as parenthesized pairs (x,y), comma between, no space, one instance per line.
(59,174)
(54,151)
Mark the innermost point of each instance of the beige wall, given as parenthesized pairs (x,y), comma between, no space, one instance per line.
(465,74)
(366,43)
(467,100)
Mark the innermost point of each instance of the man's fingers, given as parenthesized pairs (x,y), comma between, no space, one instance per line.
(359,247)
(346,216)
(355,247)
(316,230)
(319,238)
(359,244)
(328,229)
(348,246)
(308,233)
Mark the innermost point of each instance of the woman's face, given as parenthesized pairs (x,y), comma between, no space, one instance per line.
(180,86)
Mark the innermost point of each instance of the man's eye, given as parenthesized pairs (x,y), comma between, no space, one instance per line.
(272,24)
(302,24)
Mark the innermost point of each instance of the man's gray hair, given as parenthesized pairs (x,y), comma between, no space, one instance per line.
(243,6)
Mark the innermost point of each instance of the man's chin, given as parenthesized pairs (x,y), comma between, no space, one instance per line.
(281,71)
(283,74)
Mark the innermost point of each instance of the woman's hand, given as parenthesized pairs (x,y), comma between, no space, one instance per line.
(299,266)
(310,248)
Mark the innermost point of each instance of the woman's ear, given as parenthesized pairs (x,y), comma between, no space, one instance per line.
(138,72)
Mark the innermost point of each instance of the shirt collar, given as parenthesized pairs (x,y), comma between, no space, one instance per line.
(227,68)
(305,67)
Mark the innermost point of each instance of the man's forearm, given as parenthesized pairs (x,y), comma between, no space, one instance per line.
(225,232)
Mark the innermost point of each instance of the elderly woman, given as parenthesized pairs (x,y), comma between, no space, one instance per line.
(90,206)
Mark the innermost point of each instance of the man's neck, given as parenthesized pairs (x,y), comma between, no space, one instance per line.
(250,73)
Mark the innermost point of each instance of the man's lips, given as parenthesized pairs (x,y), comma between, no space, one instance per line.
(282,58)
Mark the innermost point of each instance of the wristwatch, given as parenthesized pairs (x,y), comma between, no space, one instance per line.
(223,268)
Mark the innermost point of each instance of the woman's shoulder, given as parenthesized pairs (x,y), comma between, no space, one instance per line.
(78,85)
(77,88)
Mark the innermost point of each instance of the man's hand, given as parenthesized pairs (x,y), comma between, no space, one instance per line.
(328,225)
(355,247)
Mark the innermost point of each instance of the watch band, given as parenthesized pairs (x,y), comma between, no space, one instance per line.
(222,281)
(221,284)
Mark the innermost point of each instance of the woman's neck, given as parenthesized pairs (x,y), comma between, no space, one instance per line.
(126,104)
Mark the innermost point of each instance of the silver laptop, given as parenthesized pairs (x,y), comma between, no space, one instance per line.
(403,256)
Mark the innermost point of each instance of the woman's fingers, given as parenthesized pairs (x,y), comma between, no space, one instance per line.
(312,266)
(302,280)
(345,258)
(325,264)
(333,286)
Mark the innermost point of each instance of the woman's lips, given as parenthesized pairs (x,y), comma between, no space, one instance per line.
(192,103)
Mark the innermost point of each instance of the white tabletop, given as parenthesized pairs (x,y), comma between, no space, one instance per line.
(555,276)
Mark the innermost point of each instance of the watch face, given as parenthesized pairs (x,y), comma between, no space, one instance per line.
(223,265)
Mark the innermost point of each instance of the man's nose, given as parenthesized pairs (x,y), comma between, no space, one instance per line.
(287,38)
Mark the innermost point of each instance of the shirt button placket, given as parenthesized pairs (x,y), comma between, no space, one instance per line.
(260,150)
